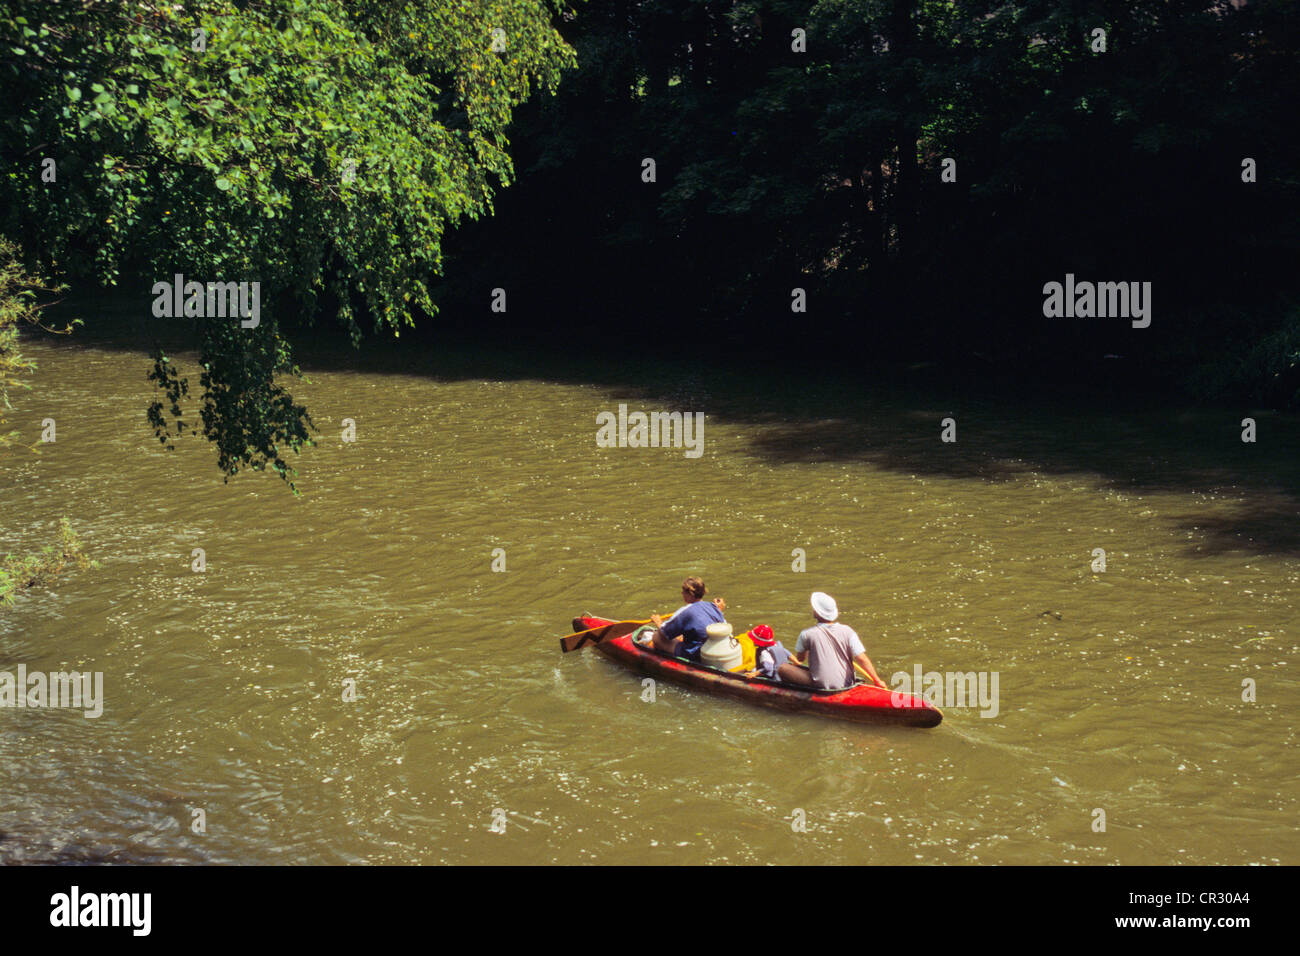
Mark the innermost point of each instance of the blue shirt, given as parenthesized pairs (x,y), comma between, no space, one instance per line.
(689,624)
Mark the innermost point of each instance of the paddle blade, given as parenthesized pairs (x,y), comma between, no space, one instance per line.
(597,634)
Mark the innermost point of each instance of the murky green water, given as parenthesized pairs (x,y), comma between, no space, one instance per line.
(224,689)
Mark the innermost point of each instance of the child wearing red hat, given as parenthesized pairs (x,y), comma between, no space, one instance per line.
(769,654)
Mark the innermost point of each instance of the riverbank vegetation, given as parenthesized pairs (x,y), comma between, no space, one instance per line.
(22,297)
(857,178)
(19,574)
(18,308)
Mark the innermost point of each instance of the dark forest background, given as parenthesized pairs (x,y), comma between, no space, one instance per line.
(822,170)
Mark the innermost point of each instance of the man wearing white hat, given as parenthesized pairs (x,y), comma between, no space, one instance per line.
(829,649)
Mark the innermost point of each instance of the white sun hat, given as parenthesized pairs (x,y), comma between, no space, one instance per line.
(824,606)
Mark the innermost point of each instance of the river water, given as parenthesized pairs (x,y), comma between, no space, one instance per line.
(1119,691)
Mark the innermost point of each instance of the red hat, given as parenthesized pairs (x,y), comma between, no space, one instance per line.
(762,636)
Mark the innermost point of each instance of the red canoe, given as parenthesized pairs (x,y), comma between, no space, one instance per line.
(862,702)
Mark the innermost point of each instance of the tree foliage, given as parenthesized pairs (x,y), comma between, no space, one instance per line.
(216,139)
(22,298)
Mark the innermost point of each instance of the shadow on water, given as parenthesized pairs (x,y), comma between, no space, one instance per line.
(1108,425)
(1259,528)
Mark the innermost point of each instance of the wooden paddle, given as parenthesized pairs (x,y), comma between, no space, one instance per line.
(594,635)
(862,672)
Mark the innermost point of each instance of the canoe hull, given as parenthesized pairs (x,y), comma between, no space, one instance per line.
(862,703)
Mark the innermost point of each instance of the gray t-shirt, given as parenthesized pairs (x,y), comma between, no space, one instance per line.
(831,649)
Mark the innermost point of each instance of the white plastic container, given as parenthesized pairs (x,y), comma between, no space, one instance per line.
(720,649)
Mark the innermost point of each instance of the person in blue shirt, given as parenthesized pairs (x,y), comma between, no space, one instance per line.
(682,635)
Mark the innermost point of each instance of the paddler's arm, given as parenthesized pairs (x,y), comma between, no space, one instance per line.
(863,661)
(720,604)
(658,620)
(660,640)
